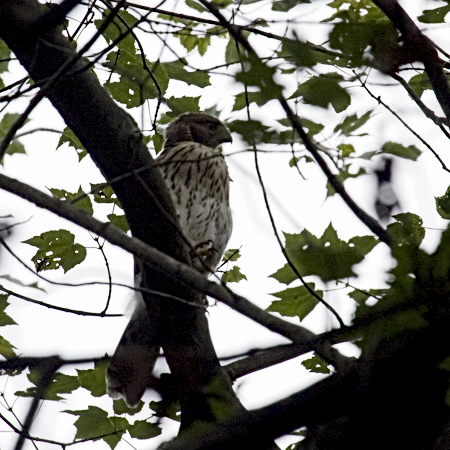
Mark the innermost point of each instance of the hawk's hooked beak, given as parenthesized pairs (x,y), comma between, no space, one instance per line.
(224,135)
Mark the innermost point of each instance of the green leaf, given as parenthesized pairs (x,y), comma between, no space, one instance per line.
(183,104)
(233,275)
(408,229)
(346,150)
(296,159)
(5,54)
(7,122)
(56,249)
(103,193)
(158,142)
(4,318)
(235,53)
(344,174)
(295,301)
(441,258)
(121,24)
(232,254)
(203,44)
(356,39)
(93,423)
(20,283)
(69,136)
(324,90)
(312,128)
(256,73)
(194,5)
(240,101)
(393,148)
(137,83)
(251,131)
(436,15)
(141,429)
(352,123)
(120,407)
(82,201)
(175,71)
(6,349)
(286,5)
(94,379)
(327,257)
(368,155)
(171,411)
(316,364)
(222,3)
(443,205)
(189,40)
(119,221)
(419,83)
(362,299)
(298,52)
(60,384)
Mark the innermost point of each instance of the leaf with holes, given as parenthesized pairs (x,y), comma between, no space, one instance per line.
(56,249)
(316,365)
(181,105)
(443,205)
(78,199)
(407,230)
(119,30)
(103,193)
(139,81)
(327,257)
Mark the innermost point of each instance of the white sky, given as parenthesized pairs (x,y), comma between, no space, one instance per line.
(296,203)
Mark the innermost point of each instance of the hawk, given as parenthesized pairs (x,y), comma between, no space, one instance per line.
(197,178)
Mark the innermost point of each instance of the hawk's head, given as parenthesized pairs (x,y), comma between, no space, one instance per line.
(197,127)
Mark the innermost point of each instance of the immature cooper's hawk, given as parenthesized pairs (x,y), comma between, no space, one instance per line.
(198,182)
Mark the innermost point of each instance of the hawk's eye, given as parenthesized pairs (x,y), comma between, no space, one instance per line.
(212,126)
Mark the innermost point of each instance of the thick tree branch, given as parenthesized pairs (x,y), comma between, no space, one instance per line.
(167,266)
(421,49)
(114,142)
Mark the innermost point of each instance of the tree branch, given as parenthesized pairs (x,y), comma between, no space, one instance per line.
(167,266)
(422,49)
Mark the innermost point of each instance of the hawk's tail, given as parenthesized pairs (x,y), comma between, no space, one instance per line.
(131,366)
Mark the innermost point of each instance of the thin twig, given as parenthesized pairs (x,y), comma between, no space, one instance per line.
(57,308)
(414,132)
